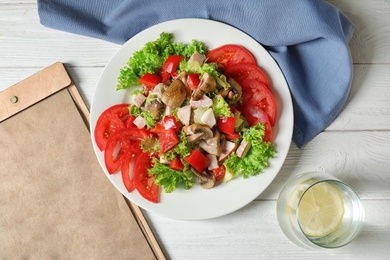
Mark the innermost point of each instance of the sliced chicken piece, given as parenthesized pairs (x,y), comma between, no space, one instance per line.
(139,100)
(205,101)
(184,114)
(140,122)
(229,148)
(208,118)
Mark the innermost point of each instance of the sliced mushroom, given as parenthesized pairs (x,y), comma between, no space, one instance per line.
(214,145)
(224,92)
(197,94)
(182,77)
(207,84)
(193,138)
(235,92)
(155,107)
(197,132)
(175,94)
(206,179)
(199,128)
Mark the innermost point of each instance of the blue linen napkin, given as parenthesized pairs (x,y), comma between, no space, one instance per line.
(308,39)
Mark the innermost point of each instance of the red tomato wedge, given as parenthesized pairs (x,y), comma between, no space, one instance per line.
(149,80)
(197,160)
(168,122)
(144,183)
(230,54)
(219,172)
(193,80)
(177,164)
(226,125)
(111,120)
(168,139)
(170,66)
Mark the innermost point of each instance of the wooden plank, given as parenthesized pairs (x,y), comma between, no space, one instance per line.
(368,106)
(253,233)
(372,35)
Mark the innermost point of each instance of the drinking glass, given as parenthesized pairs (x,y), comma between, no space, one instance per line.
(317,210)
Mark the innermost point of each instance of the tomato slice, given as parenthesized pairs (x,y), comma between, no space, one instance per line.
(117,144)
(127,174)
(255,88)
(230,54)
(247,72)
(261,97)
(111,120)
(144,183)
(254,115)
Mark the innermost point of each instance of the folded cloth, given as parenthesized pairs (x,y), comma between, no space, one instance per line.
(307,38)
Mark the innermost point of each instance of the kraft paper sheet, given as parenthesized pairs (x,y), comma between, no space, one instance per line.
(55,201)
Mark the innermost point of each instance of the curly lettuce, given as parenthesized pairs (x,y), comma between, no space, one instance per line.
(220,107)
(257,157)
(152,56)
(170,179)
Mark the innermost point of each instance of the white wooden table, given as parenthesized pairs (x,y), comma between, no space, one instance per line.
(355,148)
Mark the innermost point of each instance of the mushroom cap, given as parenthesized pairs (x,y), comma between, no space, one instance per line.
(205,178)
(155,107)
(207,83)
(175,94)
(234,93)
(213,145)
(203,129)
(197,94)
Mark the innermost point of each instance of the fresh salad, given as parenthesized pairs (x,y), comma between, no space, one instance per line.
(195,116)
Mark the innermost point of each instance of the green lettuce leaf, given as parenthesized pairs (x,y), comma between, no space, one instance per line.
(170,179)
(152,56)
(257,157)
(220,107)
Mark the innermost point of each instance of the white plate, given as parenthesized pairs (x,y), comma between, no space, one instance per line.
(197,203)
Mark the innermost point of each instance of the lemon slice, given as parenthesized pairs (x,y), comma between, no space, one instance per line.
(321,210)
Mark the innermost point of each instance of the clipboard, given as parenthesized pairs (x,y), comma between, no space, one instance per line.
(55,201)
